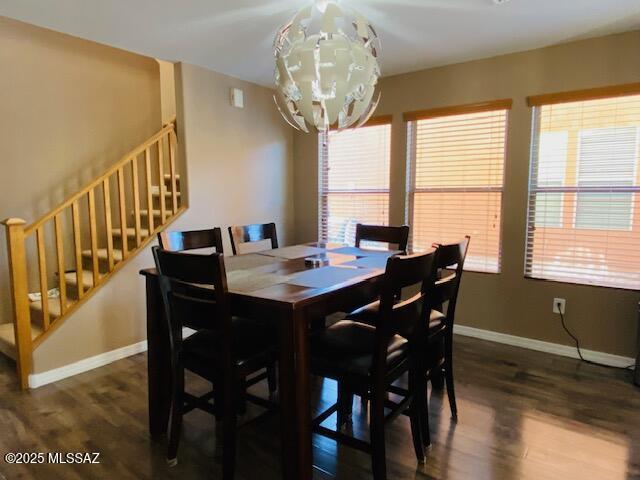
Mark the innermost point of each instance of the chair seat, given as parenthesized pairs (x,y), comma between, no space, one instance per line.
(253,347)
(345,349)
(369,314)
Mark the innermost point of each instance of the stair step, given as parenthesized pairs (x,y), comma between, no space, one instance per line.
(102,254)
(8,339)
(54,307)
(156,194)
(86,277)
(167,177)
(131,232)
(156,213)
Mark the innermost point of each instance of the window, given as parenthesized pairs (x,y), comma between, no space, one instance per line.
(456,172)
(583,189)
(354,179)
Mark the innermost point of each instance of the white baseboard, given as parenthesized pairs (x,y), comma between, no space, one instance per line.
(540,346)
(39,379)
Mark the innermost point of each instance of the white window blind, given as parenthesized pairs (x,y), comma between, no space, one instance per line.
(583,192)
(353,180)
(550,174)
(455,182)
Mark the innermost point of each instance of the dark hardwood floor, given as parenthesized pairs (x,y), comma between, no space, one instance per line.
(522,415)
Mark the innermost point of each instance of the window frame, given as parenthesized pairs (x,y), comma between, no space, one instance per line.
(411,119)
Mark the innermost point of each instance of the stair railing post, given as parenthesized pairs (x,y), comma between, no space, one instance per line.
(19,296)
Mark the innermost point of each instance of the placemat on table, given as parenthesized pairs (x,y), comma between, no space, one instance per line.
(294,251)
(249,281)
(324,277)
(248,261)
(376,261)
(363,252)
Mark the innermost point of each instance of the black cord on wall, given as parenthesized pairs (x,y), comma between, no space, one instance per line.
(577,342)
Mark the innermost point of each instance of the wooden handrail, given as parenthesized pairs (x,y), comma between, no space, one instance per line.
(172,121)
(94,183)
(84,278)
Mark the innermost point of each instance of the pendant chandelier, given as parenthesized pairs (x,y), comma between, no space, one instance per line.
(327,69)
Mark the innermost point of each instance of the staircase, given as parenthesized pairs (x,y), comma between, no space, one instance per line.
(80,244)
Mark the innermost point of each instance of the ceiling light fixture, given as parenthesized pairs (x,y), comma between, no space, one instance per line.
(327,68)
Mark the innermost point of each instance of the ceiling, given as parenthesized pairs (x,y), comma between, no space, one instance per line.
(235,36)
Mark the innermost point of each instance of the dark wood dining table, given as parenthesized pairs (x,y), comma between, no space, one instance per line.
(276,285)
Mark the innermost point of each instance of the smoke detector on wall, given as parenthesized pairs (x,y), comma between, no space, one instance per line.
(500,2)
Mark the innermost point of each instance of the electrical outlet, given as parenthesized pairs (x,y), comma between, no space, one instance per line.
(559,305)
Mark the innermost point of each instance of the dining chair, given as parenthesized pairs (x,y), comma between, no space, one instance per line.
(397,237)
(450,267)
(435,349)
(177,241)
(366,360)
(256,232)
(225,354)
(199,239)
(439,341)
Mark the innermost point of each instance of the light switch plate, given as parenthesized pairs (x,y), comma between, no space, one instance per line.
(237,98)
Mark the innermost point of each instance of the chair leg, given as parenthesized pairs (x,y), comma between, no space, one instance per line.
(448,374)
(376,426)
(229,443)
(416,389)
(229,446)
(424,415)
(241,397)
(272,379)
(217,403)
(175,423)
(437,379)
(345,405)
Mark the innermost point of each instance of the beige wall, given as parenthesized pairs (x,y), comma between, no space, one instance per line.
(240,170)
(68,109)
(604,319)
(239,161)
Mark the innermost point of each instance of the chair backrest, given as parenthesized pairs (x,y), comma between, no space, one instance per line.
(413,313)
(450,266)
(191,240)
(252,233)
(378,233)
(178,271)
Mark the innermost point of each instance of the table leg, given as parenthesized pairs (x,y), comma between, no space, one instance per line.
(158,362)
(295,397)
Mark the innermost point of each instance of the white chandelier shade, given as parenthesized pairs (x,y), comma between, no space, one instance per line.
(327,68)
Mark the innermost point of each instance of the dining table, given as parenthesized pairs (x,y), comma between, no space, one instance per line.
(292,287)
